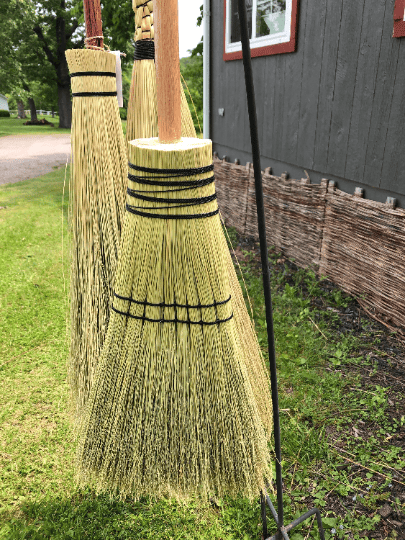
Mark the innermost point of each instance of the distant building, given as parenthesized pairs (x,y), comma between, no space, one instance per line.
(3,103)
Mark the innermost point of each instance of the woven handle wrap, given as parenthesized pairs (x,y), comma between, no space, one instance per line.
(143,19)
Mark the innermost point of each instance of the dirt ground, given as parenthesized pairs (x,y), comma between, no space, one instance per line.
(29,156)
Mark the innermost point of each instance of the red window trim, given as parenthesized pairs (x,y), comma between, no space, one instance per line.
(399,23)
(288,47)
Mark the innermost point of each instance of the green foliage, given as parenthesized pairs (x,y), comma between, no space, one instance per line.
(192,71)
(4,114)
(123,114)
(34,38)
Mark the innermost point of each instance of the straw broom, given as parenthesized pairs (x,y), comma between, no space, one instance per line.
(143,123)
(172,411)
(97,200)
(142,107)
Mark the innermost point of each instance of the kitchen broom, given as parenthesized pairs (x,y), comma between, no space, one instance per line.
(143,123)
(142,108)
(97,200)
(172,410)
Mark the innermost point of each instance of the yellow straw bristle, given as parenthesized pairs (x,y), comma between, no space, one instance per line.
(143,123)
(97,206)
(142,108)
(172,410)
(142,104)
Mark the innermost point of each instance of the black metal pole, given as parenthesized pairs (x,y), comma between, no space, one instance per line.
(250,94)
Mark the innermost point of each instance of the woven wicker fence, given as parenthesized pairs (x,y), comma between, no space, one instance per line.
(295,209)
(357,243)
(232,183)
(295,212)
(363,252)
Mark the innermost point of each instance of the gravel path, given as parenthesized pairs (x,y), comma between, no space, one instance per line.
(28,156)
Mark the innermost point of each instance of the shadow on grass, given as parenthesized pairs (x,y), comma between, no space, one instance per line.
(101,517)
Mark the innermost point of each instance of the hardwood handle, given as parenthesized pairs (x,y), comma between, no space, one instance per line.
(94,23)
(168,70)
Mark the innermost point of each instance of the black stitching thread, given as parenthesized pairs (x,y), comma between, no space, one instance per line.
(93,74)
(172,216)
(191,183)
(85,94)
(173,173)
(143,5)
(201,322)
(183,202)
(195,185)
(163,305)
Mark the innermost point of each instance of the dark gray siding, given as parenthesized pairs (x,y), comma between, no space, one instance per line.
(335,108)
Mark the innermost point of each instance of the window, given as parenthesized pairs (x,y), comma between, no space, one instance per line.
(399,18)
(272,27)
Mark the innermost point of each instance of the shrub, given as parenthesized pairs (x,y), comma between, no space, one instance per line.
(4,114)
(123,114)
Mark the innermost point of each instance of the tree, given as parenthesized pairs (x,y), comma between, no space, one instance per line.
(56,22)
(192,71)
(36,37)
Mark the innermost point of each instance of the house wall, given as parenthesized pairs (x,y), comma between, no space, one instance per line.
(335,108)
(3,103)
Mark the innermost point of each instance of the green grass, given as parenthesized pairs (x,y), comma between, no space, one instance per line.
(38,495)
(13,126)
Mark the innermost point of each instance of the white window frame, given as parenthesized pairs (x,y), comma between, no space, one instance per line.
(257,42)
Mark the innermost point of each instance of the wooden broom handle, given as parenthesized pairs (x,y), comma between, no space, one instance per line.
(94,24)
(168,70)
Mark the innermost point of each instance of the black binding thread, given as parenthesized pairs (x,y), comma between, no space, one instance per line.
(185,202)
(171,216)
(176,320)
(143,5)
(194,185)
(175,305)
(85,94)
(173,173)
(144,49)
(93,74)
(181,203)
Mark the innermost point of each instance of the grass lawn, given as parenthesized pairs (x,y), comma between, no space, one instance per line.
(14,126)
(341,430)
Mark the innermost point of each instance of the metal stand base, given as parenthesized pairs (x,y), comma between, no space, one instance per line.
(283,530)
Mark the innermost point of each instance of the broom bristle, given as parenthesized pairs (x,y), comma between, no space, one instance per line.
(142,108)
(143,123)
(172,410)
(97,196)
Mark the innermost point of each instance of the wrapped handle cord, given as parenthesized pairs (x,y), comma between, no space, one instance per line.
(144,49)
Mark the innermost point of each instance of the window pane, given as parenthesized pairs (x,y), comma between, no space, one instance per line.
(235,29)
(270,17)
